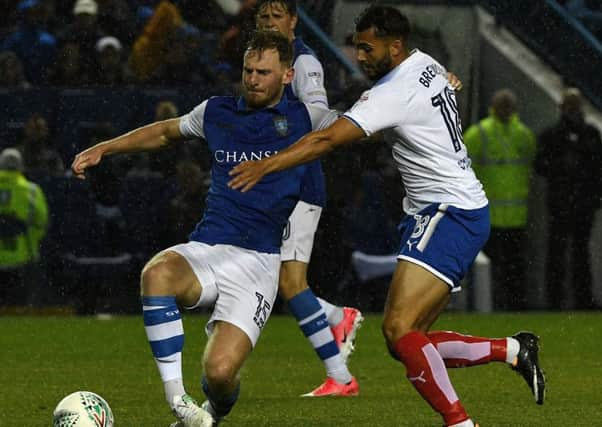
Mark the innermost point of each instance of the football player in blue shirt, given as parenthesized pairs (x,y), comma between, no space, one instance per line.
(232,260)
(308,87)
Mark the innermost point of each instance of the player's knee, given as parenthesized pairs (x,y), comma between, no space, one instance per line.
(220,371)
(393,328)
(155,276)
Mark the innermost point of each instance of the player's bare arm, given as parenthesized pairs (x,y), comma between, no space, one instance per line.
(146,138)
(312,146)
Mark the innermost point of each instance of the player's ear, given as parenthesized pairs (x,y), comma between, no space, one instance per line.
(288,75)
(396,47)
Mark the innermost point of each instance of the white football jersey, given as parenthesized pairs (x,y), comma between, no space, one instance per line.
(416,109)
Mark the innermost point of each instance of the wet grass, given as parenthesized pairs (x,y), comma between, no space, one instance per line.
(45,358)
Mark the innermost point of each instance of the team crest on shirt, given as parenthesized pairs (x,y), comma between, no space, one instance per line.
(281,125)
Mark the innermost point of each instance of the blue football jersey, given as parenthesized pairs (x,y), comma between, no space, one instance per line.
(255,219)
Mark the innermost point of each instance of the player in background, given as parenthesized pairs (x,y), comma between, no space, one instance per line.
(232,260)
(343,322)
(447,216)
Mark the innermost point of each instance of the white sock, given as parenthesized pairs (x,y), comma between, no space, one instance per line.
(334,313)
(467,423)
(173,388)
(165,333)
(512,348)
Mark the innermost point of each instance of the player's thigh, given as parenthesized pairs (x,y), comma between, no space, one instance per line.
(415,299)
(226,351)
(169,273)
(247,287)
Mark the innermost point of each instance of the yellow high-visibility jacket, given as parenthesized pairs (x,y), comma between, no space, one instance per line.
(23,219)
(502,158)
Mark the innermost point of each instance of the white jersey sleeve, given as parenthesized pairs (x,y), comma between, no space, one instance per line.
(416,109)
(191,124)
(377,110)
(321,117)
(308,83)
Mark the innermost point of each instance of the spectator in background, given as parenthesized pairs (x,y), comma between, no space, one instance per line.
(149,47)
(31,42)
(211,18)
(569,157)
(502,150)
(117,17)
(39,155)
(105,186)
(23,221)
(110,68)
(233,41)
(188,205)
(179,64)
(11,71)
(84,31)
(162,162)
(368,225)
(68,70)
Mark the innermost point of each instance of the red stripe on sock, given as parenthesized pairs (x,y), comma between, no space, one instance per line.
(426,372)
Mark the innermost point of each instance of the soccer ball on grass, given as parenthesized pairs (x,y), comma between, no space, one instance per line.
(83,409)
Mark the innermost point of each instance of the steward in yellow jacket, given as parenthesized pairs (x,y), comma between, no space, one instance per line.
(502,150)
(23,214)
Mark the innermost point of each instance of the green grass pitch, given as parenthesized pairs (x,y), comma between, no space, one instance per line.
(42,359)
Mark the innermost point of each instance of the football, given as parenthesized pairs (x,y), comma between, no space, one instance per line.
(83,409)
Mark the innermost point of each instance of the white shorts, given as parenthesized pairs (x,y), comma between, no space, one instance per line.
(242,284)
(298,236)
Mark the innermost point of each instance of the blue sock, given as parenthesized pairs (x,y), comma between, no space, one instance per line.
(165,333)
(312,321)
(221,405)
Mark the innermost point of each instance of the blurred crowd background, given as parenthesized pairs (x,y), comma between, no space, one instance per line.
(73,73)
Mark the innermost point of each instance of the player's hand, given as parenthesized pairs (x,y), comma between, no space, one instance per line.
(85,159)
(246,175)
(454,81)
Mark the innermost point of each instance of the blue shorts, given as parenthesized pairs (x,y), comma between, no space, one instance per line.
(444,239)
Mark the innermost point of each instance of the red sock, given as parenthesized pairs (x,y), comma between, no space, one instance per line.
(459,351)
(426,371)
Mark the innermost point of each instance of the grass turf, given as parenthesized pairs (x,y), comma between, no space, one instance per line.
(45,358)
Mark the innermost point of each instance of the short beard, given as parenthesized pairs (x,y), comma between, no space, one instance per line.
(382,68)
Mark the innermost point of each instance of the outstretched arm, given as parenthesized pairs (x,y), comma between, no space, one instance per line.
(146,138)
(310,147)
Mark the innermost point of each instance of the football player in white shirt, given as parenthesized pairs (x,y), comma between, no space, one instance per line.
(297,244)
(447,216)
